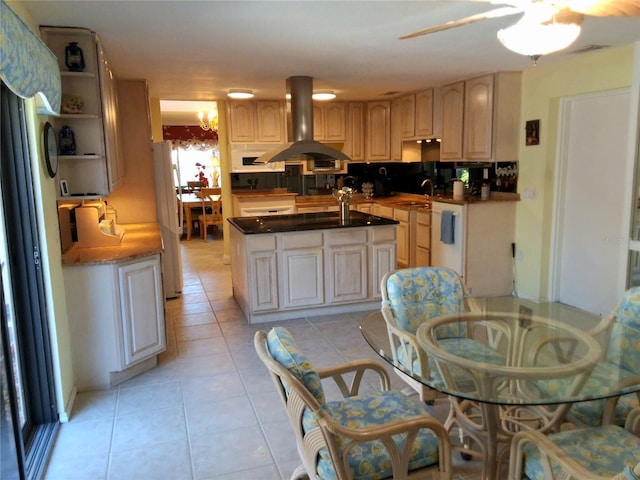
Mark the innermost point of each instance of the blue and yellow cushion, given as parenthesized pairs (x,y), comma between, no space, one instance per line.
(603,451)
(628,312)
(417,295)
(369,461)
(284,350)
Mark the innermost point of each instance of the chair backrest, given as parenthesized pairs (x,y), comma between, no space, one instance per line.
(624,339)
(212,210)
(193,186)
(418,294)
(211,191)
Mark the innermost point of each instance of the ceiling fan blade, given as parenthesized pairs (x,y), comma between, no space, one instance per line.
(603,8)
(498,12)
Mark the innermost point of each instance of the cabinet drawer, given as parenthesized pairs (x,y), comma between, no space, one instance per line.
(423,218)
(346,237)
(301,240)
(383,234)
(382,211)
(423,236)
(261,243)
(401,215)
(422,257)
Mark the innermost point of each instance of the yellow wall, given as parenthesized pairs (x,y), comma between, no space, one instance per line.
(542,89)
(46,189)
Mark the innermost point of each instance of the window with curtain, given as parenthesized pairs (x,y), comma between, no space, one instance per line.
(196,160)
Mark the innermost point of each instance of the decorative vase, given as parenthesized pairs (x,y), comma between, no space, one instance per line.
(73,57)
(66,141)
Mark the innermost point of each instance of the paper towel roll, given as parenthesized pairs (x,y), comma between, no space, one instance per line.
(458,190)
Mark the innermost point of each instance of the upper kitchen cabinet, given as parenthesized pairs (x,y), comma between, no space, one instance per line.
(452,121)
(329,122)
(481,118)
(425,112)
(90,163)
(260,121)
(355,126)
(396,132)
(378,144)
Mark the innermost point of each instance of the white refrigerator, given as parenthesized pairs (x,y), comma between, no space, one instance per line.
(167,206)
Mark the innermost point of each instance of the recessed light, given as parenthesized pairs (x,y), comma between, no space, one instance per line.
(238,93)
(324,95)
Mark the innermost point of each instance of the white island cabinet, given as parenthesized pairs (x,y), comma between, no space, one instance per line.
(116,314)
(288,271)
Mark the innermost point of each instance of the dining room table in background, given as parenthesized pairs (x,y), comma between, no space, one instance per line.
(189,201)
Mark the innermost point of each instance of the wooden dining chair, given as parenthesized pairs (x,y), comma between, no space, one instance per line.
(211,215)
(194,186)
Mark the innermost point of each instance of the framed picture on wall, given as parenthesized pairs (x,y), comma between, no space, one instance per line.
(532,128)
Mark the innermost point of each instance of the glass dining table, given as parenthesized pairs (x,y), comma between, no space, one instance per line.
(507,372)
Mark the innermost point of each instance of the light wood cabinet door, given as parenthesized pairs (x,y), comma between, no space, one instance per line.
(303,278)
(478,118)
(378,131)
(242,122)
(263,280)
(452,121)
(347,273)
(354,141)
(424,114)
(407,105)
(142,309)
(396,129)
(329,122)
(402,237)
(270,122)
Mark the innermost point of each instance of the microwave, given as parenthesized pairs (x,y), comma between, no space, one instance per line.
(243,156)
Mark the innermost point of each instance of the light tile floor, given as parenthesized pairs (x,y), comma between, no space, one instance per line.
(208,410)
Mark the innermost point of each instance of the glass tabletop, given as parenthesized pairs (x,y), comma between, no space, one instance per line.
(505,358)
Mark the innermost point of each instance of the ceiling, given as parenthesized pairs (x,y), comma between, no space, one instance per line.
(198,50)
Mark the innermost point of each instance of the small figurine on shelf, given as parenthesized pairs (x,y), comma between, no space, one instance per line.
(73,57)
(66,141)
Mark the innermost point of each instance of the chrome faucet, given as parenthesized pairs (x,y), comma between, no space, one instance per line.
(427,181)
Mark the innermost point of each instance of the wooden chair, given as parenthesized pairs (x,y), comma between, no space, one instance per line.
(381,434)
(211,215)
(194,186)
(608,452)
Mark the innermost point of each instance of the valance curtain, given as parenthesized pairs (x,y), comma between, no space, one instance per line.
(27,66)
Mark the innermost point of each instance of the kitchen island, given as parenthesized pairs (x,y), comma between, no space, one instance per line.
(290,266)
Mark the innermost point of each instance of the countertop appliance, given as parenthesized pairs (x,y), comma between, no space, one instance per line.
(167,207)
(243,157)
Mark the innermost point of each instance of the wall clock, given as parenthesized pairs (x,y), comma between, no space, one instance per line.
(50,150)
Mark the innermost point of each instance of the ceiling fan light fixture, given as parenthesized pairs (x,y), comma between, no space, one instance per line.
(324,95)
(240,94)
(536,39)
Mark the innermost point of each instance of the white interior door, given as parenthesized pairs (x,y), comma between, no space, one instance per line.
(591,228)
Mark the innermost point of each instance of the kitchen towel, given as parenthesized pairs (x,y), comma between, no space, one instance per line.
(447,227)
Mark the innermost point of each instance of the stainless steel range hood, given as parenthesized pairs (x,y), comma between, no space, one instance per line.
(301,90)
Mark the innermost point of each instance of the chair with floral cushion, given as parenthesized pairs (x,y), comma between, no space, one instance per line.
(591,453)
(370,436)
(620,331)
(413,296)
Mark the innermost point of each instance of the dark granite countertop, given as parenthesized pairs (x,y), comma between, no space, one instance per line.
(305,221)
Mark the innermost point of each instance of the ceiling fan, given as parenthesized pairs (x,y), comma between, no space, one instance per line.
(546,25)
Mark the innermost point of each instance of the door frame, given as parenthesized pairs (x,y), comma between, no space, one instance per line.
(628,181)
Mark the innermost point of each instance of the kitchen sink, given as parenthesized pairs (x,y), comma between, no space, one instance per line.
(414,204)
